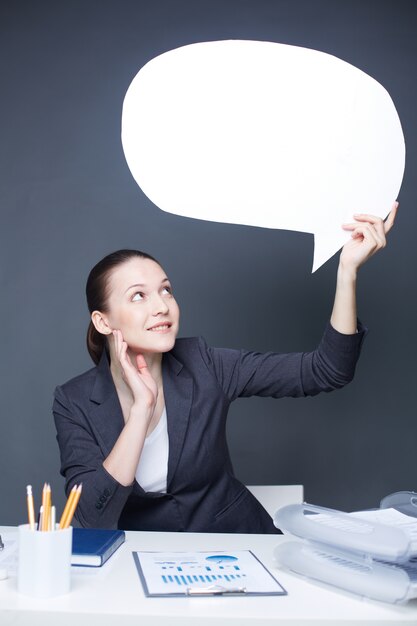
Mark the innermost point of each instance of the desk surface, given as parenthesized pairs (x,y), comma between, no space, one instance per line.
(113,594)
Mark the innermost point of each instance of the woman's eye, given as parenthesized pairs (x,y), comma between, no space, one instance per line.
(137,296)
(167,291)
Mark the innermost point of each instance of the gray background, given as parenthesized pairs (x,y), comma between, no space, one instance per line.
(67,199)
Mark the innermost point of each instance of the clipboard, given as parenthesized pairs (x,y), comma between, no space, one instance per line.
(204,573)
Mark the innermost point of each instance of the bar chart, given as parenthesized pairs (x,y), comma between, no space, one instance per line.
(179,573)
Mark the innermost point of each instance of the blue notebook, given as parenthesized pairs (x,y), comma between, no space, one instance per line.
(94,546)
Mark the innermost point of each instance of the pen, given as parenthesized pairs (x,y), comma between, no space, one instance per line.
(43,520)
(72,507)
(53,518)
(40,518)
(215,590)
(31,507)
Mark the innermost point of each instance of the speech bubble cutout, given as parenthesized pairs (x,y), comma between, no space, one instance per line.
(263,134)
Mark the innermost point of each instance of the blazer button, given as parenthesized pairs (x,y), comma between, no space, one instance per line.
(99,505)
(102,498)
(106,493)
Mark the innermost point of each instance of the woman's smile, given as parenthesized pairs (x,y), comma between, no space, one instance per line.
(161,328)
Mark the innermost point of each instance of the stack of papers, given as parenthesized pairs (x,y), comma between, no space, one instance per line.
(372,553)
(408,525)
(392,517)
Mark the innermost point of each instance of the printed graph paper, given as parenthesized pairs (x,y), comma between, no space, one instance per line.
(179,573)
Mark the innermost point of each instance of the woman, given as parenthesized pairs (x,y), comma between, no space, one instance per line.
(144,431)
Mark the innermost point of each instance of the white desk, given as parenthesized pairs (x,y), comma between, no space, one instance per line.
(113,596)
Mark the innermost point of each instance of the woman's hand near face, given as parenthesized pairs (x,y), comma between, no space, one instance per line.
(368,236)
(142,386)
(123,459)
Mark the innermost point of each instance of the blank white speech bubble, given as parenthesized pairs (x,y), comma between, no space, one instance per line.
(263,134)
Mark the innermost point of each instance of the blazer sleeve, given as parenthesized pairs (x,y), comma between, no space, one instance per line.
(330,366)
(102,498)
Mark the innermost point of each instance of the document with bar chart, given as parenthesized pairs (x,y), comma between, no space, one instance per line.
(204,573)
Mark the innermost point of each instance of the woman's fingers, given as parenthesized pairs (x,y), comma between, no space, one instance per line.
(141,363)
(118,342)
(374,224)
(144,371)
(375,227)
(368,232)
(121,351)
(370,235)
(389,222)
(135,376)
(381,225)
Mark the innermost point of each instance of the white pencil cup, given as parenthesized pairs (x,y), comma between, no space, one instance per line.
(44,568)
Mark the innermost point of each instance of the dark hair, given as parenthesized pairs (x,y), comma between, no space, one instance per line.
(97,294)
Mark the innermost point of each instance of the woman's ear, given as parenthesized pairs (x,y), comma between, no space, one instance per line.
(101,323)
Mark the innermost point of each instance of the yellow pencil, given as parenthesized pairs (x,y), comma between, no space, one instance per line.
(47,509)
(31,507)
(67,507)
(71,511)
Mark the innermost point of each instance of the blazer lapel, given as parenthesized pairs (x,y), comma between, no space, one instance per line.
(178,393)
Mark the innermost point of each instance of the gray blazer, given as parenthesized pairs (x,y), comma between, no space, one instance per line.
(200,382)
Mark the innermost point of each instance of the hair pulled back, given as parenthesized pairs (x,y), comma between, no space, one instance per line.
(97,293)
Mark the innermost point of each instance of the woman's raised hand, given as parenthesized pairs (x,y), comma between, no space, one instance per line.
(368,236)
(138,378)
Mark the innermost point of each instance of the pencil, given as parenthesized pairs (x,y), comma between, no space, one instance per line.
(72,507)
(31,507)
(53,518)
(47,509)
(65,512)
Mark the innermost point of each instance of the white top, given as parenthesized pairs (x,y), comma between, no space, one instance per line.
(152,469)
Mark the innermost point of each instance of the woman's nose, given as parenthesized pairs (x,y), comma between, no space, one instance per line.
(159,305)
